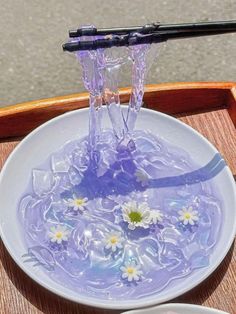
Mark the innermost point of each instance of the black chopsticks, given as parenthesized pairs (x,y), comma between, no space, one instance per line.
(93,31)
(147,34)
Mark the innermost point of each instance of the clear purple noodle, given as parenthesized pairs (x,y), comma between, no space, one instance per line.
(138,55)
(167,251)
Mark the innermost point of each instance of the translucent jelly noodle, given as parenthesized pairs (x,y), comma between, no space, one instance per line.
(121,213)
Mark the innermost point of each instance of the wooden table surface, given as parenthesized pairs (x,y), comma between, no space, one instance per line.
(20,295)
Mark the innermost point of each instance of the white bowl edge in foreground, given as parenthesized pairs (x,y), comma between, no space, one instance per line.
(177,308)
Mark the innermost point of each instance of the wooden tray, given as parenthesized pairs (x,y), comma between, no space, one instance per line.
(210,108)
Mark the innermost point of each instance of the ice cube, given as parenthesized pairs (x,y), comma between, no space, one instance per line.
(43,181)
(199,260)
(171,235)
(75,176)
(81,161)
(204,237)
(145,145)
(191,249)
(102,168)
(60,163)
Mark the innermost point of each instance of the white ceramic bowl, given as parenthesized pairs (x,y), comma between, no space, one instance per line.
(177,308)
(48,138)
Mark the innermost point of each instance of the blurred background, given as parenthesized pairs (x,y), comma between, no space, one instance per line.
(33,65)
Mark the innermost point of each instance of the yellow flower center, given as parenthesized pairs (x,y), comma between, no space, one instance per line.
(79,201)
(130,270)
(187,215)
(113,240)
(135,216)
(59,235)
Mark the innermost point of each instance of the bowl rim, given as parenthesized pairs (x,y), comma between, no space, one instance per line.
(116,304)
(179,306)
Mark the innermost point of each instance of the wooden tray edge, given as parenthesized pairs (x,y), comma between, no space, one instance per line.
(18,120)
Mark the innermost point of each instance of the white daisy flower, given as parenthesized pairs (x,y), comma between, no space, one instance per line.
(114,241)
(155,216)
(59,233)
(188,215)
(131,271)
(141,176)
(137,215)
(77,203)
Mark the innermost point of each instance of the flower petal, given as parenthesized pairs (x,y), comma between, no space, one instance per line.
(131,226)
(130,278)
(144,225)
(191,221)
(146,214)
(144,206)
(136,277)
